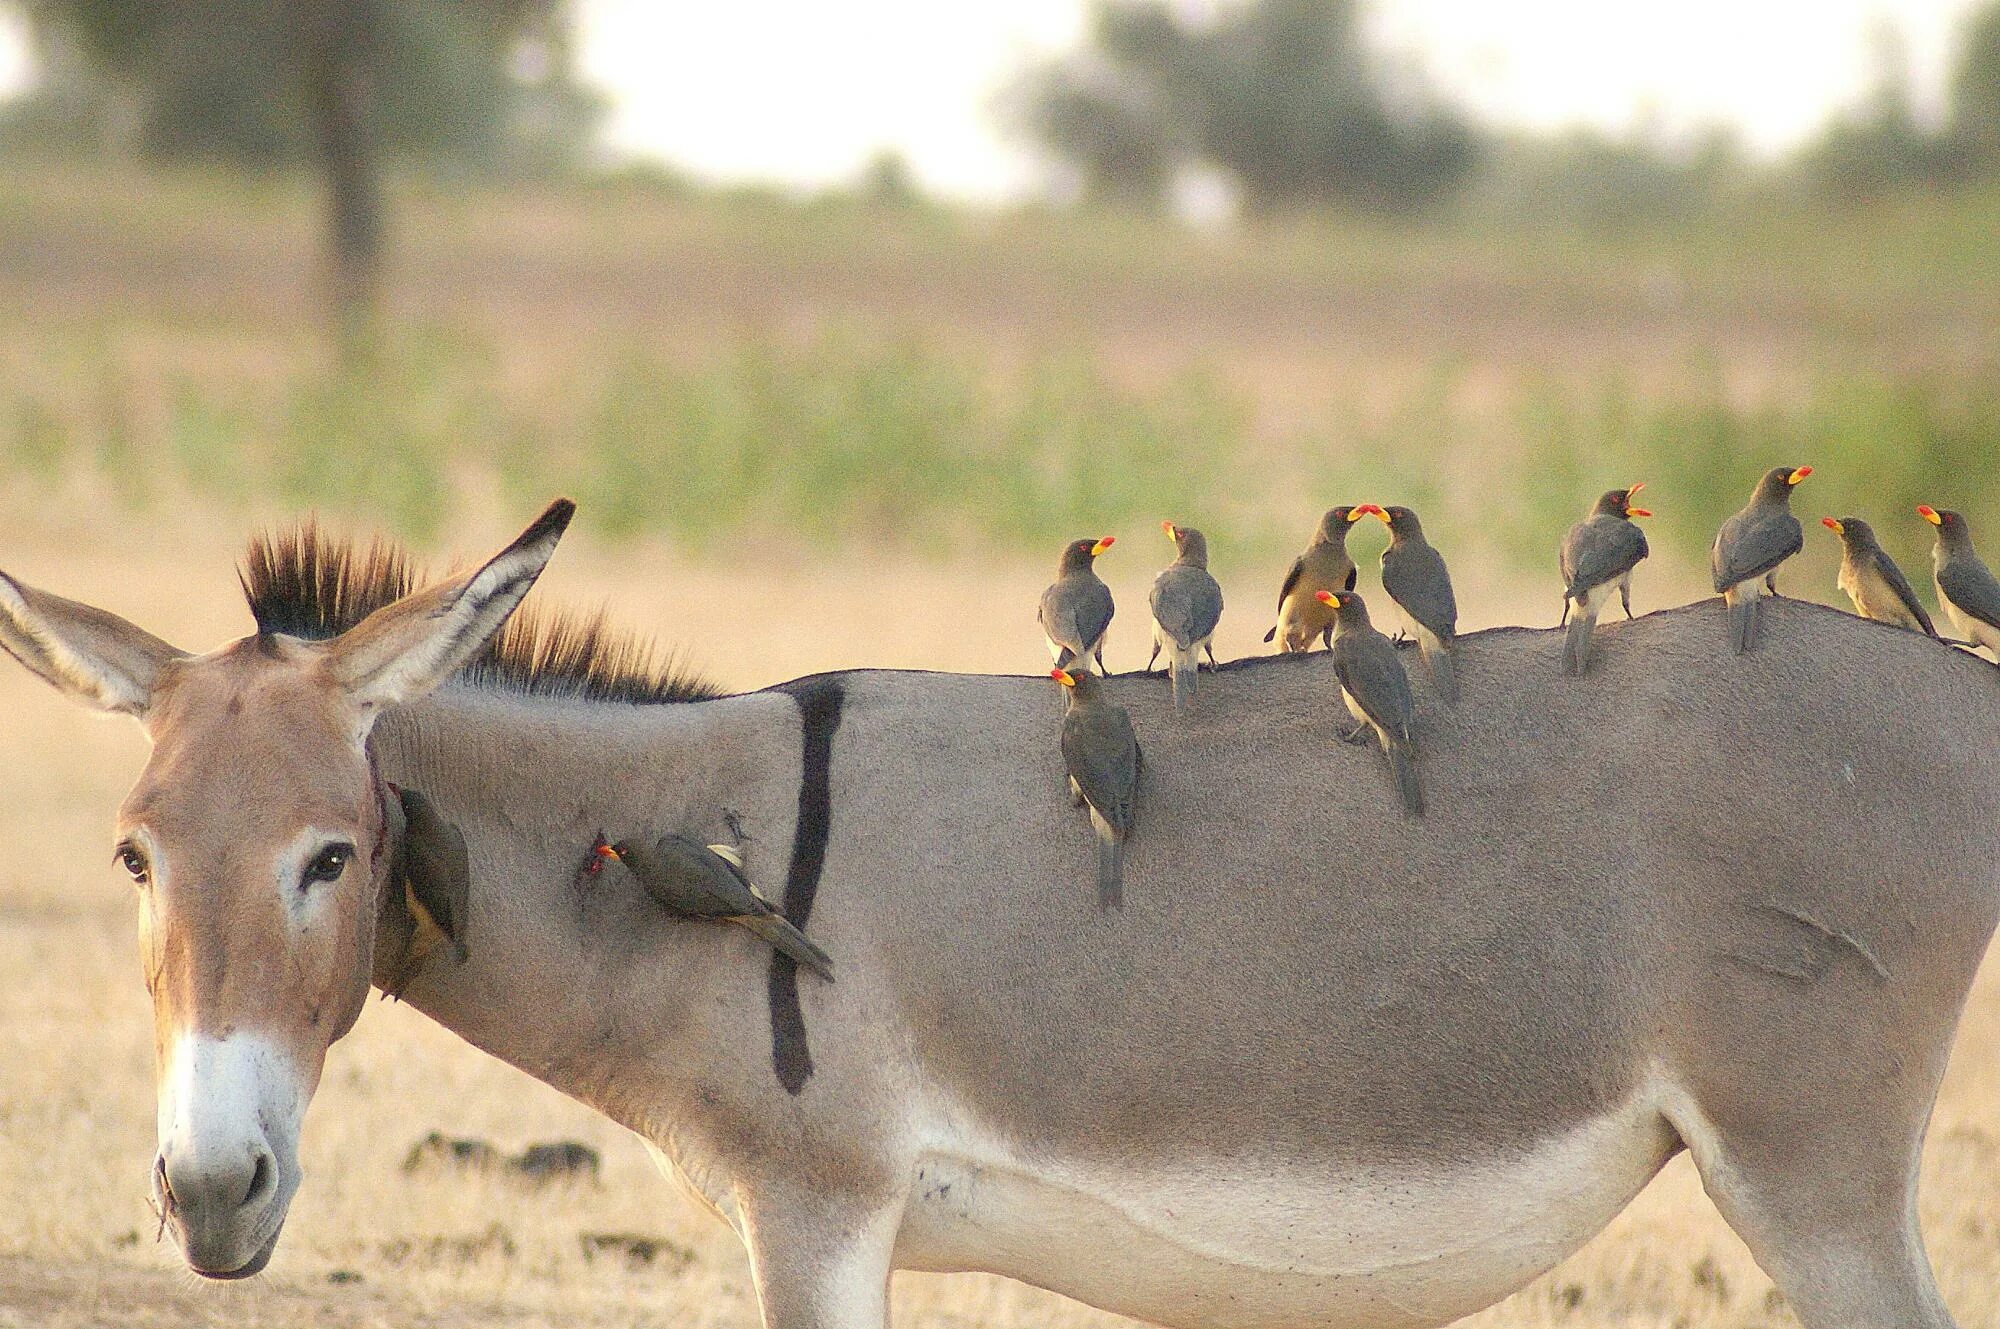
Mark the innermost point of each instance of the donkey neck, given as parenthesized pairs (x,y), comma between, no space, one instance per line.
(574,975)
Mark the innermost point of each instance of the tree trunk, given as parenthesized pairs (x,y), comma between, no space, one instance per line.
(336,48)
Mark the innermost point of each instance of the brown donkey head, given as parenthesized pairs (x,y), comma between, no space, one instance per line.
(256,836)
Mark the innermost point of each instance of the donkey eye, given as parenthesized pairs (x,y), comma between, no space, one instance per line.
(133,862)
(328,864)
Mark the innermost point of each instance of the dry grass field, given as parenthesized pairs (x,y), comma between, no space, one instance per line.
(161,393)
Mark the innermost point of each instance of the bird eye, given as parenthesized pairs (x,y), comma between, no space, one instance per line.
(328,864)
(133,862)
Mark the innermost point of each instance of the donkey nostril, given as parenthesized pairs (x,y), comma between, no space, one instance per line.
(263,1178)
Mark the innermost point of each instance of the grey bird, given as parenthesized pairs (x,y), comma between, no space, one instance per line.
(1076,608)
(1414,575)
(1324,566)
(1873,581)
(1376,690)
(1965,587)
(1187,604)
(1101,755)
(1598,554)
(708,882)
(1751,545)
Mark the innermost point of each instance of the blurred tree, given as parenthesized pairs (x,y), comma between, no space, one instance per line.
(1283,95)
(1882,145)
(476,85)
(1975,89)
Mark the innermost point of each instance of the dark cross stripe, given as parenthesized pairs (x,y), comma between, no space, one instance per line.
(819,701)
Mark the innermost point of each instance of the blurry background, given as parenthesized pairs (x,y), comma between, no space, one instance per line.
(838,320)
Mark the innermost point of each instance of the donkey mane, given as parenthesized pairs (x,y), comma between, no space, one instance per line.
(303,582)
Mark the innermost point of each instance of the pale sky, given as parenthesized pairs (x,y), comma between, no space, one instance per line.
(802,92)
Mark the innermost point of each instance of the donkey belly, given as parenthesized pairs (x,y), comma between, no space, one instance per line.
(1248,1244)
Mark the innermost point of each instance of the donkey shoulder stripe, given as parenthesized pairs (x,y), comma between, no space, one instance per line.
(819,701)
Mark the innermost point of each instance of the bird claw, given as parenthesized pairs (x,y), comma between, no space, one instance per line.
(1358,736)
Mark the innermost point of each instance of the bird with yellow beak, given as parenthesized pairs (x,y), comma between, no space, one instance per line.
(1749,548)
(1965,587)
(1076,608)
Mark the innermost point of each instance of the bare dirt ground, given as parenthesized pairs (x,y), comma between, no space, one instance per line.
(372,1245)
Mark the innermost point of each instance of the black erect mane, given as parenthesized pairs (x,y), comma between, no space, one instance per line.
(302,582)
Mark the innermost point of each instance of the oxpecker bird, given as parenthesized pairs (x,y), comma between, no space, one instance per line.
(1873,581)
(1414,575)
(708,882)
(1076,608)
(1965,587)
(1187,604)
(1751,545)
(1324,566)
(1101,754)
(1376,690)
(1598,553)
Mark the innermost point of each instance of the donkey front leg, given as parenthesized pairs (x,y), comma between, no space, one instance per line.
(820,1264)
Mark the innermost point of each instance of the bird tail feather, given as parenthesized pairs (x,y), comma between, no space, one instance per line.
(1576,643)
(779,932)
(1437,658)
(1403,763)
(1182,665)
(1110,865)
(1743,618)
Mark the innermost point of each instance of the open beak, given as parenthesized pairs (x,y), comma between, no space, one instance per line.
(1831,525)
(1633,489)
(1103,545)
(1638,512)
(1798,475)
(1929,514)
(1064,677)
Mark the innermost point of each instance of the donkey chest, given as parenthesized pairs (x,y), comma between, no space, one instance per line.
(1243,1244)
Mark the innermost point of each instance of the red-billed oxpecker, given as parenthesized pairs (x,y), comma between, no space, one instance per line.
(1101,755)
(1749,548)
(1414,575)
(1873,581)
(1965,587)
(1187,604)
(1076,608)
(1598,554)
(1324,566)
(1376,690)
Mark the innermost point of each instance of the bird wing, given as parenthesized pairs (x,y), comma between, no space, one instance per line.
(1752,543)
(1291,581)
(694,881)
(1187,602)
(1102,754)
(1368,668)
(1600,551)
(1415,578)
(1967,583)
(1893,575)
(1076,611)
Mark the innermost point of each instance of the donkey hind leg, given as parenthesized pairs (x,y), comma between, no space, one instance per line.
(1838,1234)
(822,1276)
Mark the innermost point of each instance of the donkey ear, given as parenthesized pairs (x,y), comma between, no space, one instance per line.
(91,654)
(403,650)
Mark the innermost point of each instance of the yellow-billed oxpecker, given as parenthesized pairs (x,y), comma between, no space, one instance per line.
(1751,545)
(1076,608)
(1965,587)
(1414,575)
(1598,554)
(1187,604)
(1376,690)
(1101,755)
(1873,581)
(708,882)
(1324,566)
